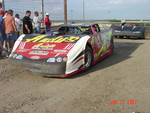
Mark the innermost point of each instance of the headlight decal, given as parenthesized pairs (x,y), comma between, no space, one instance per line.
(51,60)
(57,60)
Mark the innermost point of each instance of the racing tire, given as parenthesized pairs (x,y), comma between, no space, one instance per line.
(143,37)
(112,45)
(88,57)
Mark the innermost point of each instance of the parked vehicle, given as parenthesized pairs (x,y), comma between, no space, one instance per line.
(129,31)
(67,51)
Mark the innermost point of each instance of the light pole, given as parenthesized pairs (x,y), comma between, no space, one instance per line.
(65,12)
(83,10)
(71,15)
(42,9)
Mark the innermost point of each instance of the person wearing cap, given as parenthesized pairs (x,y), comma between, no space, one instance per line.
(47,23)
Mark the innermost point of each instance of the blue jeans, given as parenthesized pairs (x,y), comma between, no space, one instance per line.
(1,37)
(37,29)
(48,29)
(10,36)
(16,35)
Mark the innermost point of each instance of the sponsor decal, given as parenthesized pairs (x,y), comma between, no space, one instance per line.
(65,59)
(69,46)
(23,50)
(59,59)
(39,53)
(35,39)
(44,46)
(60,51)
(19,57)
(22,45)
(51,60)
(60,39)
(14,56)
(35,57)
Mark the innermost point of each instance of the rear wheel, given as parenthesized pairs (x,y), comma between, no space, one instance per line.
(88,57)
(143,36)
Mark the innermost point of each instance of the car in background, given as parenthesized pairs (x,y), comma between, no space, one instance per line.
(67,51)
(128,31)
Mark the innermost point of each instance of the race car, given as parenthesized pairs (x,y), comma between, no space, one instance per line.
(129,31)
(67,51)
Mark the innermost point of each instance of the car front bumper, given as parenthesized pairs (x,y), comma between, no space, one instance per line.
(48,69)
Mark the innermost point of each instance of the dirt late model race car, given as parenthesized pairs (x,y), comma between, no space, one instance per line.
(129,31)
(69,50)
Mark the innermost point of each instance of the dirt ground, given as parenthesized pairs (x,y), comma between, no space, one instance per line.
(119,84)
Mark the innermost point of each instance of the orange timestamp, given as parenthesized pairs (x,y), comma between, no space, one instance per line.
(124,102)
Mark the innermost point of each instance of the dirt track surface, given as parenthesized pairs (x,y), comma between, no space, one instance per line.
(123,76)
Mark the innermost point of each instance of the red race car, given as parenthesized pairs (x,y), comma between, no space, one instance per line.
(64,52)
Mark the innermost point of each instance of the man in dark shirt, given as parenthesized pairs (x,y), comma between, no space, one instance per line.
(27,23)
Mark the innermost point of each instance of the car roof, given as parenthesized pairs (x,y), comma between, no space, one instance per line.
(76,25)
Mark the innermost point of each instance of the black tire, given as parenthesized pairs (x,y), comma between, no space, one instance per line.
(114,37)
(88,57)
(112,44)
(143,37)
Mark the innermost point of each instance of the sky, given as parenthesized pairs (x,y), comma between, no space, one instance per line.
(94,9)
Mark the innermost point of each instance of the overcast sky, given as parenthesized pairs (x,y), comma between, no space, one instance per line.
(94,9)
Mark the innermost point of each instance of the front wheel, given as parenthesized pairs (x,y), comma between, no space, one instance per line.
(88,57)
(112,45)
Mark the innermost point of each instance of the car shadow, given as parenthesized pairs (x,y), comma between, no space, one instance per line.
(122,52)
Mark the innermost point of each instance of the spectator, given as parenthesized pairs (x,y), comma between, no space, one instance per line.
(4,35)
(27,23)
(37,22)
(47,23)
(5,14)
(42,19)
(18,25)
(1,9)
(10,29)
(1,31)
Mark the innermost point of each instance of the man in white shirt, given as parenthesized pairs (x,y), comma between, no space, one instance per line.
(18,25)
(36,22)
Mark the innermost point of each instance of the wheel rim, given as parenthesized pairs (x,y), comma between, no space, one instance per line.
(88,59)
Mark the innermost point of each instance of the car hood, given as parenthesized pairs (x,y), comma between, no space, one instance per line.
(44,46)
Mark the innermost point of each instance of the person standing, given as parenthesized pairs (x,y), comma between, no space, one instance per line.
(36,22)
(5,14)
(1,31)
(18,25)
(1,9)
(47,23)
(10,29)
(27,23)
